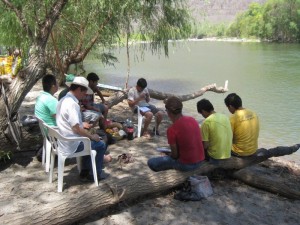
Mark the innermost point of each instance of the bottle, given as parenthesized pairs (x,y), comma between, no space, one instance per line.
(129,129)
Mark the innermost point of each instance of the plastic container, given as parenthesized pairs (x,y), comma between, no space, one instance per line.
(130,131)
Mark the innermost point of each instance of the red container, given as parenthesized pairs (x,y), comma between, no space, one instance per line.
(130,131)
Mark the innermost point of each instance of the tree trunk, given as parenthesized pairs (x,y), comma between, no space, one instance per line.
(18,89)
(82,204)
(255,178)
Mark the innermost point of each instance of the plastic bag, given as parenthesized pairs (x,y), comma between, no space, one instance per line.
(195,189)
(201,185)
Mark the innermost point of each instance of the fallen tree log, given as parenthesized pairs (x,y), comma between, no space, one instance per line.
(122,95)
(87,202)
(255,178)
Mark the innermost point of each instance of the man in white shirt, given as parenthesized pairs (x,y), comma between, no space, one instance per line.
(139,96)
(69,122)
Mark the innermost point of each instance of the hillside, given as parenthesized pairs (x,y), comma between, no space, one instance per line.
(218,11)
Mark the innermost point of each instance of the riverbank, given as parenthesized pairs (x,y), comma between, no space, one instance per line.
(225,39)
(25,187)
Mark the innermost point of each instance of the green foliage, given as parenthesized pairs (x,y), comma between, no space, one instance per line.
(90,24)
(206,29)
(276,20)
(11,30)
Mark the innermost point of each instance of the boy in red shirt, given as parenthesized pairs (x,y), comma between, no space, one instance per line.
(184,138)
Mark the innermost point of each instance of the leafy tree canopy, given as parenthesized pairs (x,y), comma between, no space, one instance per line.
(89,24)
(276,20)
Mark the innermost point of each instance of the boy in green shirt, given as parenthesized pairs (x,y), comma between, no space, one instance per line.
(216,132)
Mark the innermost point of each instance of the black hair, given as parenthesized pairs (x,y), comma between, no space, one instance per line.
(73,87)
(92,77)
(142,83)
(48,81)
(234,100)
(204,104)
(174,105)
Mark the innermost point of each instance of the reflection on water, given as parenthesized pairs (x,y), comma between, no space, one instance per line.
(266,76)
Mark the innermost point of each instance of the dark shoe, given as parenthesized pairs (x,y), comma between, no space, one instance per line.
(103,176)
(39,154)
(187,196)
(85,177)
(155,131)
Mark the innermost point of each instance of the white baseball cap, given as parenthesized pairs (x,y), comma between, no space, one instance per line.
(82,81)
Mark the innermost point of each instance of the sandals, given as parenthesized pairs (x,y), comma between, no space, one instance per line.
(125,158)
(107,158)
(146,135)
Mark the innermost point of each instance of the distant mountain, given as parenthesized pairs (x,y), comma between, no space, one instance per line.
(219,10)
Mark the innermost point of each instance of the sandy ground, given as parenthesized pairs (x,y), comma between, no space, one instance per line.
(24,184)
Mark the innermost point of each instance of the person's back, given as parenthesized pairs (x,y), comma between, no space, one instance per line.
(184,139)
(186,134)
(216,130)
(245,127)
(45,106)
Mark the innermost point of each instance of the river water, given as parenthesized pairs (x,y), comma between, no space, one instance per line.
(265,75)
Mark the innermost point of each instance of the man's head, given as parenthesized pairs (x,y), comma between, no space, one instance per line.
(49,84)
(141,84)
(93,80)
(204,107)
(80,87)
(233,102)
(173,105)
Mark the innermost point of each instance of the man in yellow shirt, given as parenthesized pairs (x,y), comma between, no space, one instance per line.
(216,132)
(245,127)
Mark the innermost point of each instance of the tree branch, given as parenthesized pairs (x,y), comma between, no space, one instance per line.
(77,56)
(121,95)
(212,87)
(50,20)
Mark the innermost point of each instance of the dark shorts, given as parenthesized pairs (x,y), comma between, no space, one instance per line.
(152,108)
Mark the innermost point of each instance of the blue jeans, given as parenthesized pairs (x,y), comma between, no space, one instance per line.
(100,148)
(166,162)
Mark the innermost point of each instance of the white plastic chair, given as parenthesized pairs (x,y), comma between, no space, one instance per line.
(140,122)
(54,136)
(46,146)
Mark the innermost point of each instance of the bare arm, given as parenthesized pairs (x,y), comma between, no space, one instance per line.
(100,95)
(87,125)
(205,145)
(134,102)
(174,152)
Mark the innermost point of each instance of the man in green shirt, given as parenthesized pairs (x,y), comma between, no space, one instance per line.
(216,132)
(45,106)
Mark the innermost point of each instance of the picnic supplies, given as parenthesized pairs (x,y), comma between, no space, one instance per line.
(163,149)
(129,129)
(31,124)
